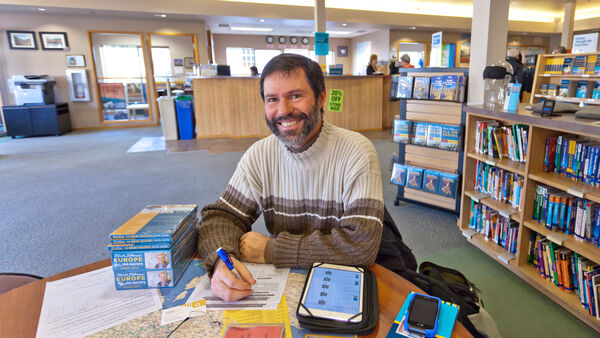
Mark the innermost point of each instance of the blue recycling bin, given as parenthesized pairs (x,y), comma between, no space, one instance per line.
(185,116)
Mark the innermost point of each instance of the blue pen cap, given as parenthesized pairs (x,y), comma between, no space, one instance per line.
(225,258)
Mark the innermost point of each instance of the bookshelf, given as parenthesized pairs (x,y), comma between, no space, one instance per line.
(442,112)
(532,170)
(544,77)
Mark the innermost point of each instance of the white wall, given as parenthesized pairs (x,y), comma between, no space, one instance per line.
(380,45)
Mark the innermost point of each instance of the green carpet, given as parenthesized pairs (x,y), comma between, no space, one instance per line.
(518,309)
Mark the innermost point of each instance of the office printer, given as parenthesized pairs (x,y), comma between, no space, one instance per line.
(33,89)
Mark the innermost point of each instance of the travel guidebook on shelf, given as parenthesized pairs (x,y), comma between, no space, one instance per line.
(156,221)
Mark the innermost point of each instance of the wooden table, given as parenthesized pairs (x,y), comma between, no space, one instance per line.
(20,308)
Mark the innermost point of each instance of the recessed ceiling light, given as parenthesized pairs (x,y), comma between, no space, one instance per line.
(413,27)
(344,24)
(42,9)
(251,29)
(262,20)
(160,15)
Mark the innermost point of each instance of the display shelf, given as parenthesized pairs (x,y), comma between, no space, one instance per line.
(571,76)
(569,301)
(431,111)
(503,163)
(429,198)
(493,250)
(568,99)
(585,249)
(542,77)
(539,130)
(575,188)
(504,209)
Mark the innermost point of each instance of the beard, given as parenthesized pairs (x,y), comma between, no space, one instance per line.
(288,138)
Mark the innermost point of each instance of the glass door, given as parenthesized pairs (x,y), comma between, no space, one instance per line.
(121,77)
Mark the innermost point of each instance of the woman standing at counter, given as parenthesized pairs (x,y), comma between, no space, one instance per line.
(372,67)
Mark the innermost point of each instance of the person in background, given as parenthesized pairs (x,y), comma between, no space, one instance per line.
(372,67)
(394,66)
(253,71)
(405,61)
(559,50)
(517,75)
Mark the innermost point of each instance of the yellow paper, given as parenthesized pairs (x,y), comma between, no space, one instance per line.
(336,100)
(259,317)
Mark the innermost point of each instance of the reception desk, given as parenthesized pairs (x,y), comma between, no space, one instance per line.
(231,106)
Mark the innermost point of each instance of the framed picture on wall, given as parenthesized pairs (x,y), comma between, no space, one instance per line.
(75,61)
(21,40)
(342,51)
(54,40)
(188,62)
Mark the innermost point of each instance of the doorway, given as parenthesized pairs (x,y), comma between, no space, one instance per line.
(174,57)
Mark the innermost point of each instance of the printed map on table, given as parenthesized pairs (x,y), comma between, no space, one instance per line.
(180,293)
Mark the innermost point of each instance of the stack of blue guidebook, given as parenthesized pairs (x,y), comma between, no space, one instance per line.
(153,249)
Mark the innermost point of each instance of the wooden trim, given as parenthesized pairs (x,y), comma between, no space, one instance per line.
(209,46)
(118,127)
(121,78)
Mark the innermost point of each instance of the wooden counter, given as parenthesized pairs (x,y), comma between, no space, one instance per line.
(232,107)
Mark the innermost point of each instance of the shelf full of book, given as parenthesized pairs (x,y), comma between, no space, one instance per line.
(531,201)
(573,78)
(429,131)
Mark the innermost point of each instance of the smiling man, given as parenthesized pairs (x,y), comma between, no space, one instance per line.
(317,185)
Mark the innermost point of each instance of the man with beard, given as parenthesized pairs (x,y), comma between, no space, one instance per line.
(317,185)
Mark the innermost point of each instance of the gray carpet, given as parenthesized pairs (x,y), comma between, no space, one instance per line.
(60,197)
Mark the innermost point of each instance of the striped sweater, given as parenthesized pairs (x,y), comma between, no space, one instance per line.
(324,204)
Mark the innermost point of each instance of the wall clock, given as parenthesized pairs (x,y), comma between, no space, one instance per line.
(305,40)
(270,39)
(282,40)
(293,40)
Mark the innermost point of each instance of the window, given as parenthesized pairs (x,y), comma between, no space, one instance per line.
(122,61)
(263,56)
(240,60)
(161,58)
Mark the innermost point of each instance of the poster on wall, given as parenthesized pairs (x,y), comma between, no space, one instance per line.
(436,50)
(585,43)
(465,50)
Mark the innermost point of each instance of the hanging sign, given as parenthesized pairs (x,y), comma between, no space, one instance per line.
(321,43)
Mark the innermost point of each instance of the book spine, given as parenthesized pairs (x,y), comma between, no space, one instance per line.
(558,154)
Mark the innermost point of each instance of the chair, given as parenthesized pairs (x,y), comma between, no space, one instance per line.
(11,280)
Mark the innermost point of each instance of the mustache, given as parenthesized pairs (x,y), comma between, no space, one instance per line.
(301,116)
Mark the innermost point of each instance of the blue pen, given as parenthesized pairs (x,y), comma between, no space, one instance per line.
(224,255)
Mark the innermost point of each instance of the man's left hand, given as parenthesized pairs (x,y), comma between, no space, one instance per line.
(252,247)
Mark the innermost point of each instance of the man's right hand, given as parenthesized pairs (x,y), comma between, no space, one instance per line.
(227,286)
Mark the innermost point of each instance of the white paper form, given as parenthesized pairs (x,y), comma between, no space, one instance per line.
(269,287)
(88,303)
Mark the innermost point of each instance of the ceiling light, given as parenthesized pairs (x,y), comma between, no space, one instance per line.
(160,15)
(338,32)
(262,20)
(251,29)
(42,9)
(413,27)
(344,24)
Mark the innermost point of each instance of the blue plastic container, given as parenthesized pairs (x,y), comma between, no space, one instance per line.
(185,116)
